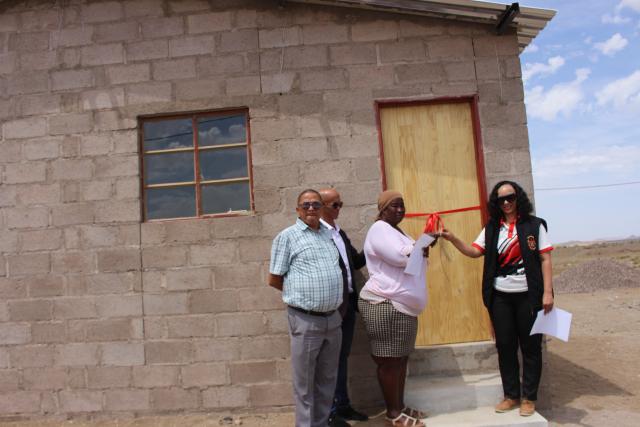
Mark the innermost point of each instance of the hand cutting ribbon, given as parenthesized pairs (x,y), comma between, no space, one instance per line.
(434,223)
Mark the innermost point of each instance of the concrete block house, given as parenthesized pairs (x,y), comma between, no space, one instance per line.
(151,150)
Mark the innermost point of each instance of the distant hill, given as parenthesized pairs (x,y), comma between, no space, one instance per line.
(571,254)
(631,238)
(597,274)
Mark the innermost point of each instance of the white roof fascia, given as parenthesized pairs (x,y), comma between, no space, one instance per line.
(528,23)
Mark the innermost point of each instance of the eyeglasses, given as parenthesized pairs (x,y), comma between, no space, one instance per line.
(336,205)
(308,205)
(508,198)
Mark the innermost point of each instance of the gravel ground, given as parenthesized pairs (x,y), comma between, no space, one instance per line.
(597,275)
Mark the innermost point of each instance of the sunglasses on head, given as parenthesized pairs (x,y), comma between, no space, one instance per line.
(308,205)
(508,198)
(336,205)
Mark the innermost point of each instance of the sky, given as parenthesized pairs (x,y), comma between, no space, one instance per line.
(582,92)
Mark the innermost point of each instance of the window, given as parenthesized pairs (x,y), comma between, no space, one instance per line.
(196,165)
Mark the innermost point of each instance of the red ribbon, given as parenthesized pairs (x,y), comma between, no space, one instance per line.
(434,223)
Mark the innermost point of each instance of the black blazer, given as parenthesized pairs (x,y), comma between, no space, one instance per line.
(528,238)
(356,261)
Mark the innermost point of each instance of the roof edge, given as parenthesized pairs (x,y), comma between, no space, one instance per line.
(528,23)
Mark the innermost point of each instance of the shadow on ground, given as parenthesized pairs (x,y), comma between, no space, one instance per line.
(571,382)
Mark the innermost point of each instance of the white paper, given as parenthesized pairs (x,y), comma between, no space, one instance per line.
(556,323)
(416,263)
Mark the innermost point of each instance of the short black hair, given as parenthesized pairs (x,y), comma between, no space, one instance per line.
(308,190)
(523,204)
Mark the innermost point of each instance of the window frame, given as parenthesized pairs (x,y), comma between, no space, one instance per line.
(195,150)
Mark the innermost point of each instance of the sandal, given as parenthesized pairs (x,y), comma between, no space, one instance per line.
(404,420)
(415,413)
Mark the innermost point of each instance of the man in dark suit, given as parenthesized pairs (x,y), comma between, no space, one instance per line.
(350,260)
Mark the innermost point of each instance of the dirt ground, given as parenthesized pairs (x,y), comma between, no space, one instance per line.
(594,378)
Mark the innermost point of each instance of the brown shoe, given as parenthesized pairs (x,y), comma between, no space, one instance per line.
(507,405)
(527,408)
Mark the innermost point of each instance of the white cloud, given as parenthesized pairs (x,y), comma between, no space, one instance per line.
(214,135)
(614,44)
(552,65)
(631,4)
(531,48)
(616,159)
(561,99)
(614,19)
(621,93)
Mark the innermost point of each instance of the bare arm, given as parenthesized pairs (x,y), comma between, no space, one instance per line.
(276,281)
(465,249)
(547,296)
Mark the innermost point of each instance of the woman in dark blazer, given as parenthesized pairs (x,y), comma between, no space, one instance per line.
(516,284)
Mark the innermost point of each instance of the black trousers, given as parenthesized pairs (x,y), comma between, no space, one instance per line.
(512,318)
(341,395)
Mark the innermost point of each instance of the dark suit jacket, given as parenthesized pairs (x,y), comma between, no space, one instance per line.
(356,261)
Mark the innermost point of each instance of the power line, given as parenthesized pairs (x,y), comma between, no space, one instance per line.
(585,187)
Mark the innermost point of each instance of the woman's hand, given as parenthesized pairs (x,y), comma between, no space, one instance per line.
(468,250)
(547,301)
(446,235)
(425,251)
(547,275)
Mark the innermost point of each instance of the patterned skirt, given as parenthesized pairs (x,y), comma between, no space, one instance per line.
(391,333)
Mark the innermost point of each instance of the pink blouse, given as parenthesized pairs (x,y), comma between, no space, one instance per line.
(387,250)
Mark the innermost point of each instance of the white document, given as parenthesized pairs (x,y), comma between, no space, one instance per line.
(556,323)
(416,263)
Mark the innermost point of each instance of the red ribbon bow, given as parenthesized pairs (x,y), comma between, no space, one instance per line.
(434,223)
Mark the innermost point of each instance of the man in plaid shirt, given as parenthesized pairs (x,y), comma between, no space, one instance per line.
(305,267)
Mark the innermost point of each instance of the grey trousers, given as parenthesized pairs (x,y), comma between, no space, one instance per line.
(315,349)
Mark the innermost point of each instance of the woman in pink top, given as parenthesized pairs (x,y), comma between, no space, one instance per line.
(390,302)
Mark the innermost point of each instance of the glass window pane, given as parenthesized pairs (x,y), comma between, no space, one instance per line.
(223,163)
(170,167)
(221,130)
(170,202)
(220,198)
(168,134)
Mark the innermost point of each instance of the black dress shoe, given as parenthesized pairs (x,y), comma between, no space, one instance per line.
(348,413)
(336,421)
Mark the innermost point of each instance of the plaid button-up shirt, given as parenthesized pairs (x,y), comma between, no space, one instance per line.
(308,260)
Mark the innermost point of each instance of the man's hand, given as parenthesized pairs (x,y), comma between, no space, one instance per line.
(276,281)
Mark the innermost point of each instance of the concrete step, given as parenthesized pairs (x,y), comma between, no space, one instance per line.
(443,394)
(484,416)
(459,385)
(454,359)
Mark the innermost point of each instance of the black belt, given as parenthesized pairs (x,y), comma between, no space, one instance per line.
(313,313)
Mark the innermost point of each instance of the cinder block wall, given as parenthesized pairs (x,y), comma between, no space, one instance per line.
(102,313)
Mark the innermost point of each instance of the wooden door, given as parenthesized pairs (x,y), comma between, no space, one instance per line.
(429,154)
